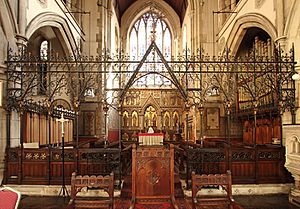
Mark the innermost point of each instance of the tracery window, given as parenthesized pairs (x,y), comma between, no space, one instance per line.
(150,26)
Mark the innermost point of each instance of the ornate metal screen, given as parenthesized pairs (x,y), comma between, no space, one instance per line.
(244,83)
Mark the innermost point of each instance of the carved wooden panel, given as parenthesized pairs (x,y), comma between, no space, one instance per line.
(152,173)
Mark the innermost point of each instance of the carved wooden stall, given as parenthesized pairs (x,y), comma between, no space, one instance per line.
(44,165)
(153,175)
(259,164)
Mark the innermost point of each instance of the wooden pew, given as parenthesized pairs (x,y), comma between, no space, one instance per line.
(105,183)
(213,180)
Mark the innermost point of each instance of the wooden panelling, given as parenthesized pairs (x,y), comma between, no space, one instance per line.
(262,164)
(44,166)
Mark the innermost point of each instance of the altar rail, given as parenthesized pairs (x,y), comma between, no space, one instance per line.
(256,165)
(44,165)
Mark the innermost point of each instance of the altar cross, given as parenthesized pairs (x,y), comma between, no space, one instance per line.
(62,120)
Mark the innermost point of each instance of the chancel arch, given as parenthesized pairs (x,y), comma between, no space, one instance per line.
(242,25)
(59,26)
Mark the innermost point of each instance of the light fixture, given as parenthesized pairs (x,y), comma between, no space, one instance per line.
(296,77)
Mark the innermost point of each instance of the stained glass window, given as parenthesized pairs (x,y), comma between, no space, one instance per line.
(147,28)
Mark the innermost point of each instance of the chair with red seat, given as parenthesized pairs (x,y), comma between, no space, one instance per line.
(9,198)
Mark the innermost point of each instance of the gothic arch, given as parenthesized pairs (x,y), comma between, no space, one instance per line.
(150,102)
(8,22)
(244,22)
(140,7)
(49,19)
(293,144)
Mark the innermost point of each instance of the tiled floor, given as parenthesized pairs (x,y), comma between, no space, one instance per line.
(248,202)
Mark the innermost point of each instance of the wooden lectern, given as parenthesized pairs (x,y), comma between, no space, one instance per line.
(152,175)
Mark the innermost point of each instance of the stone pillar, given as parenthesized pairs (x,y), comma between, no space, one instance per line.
(102,8)
(109,14)
(221,16)
(192,36)
(21,39)
(281,39)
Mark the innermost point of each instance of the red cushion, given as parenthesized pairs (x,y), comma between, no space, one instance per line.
(8,199)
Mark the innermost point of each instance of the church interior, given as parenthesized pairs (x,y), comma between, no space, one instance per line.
(150,103)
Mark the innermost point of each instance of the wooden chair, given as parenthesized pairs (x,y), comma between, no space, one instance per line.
(9,198)
(153,175)
(217,180)
(105,183)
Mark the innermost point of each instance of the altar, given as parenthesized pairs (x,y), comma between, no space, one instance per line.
(151,138)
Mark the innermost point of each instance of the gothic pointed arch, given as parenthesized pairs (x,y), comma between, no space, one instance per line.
(60,26)
(140,7)
(150,101)
(8,22)
(245,22)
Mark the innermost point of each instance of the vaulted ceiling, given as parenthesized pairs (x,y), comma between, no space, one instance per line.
(178,5)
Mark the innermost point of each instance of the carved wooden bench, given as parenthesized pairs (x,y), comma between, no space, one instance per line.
(105,183)
(213,180)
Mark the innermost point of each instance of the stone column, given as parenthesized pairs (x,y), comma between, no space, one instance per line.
(102,8)
(21,39)
(109,17)
(221,16)
(281,39)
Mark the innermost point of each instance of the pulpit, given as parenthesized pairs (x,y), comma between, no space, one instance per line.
(151,138)
(153,175)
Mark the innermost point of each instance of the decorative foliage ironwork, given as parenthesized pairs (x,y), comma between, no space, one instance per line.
(254,81)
